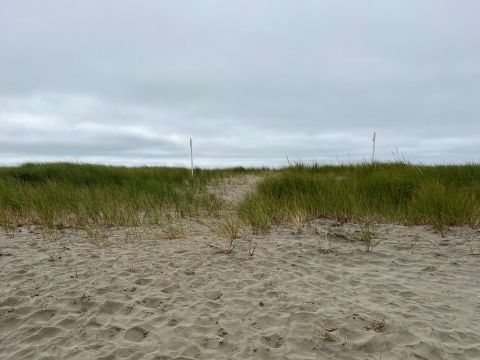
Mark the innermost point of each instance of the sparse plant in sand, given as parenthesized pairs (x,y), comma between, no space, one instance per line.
(148,230)
(232,229)
(96,234)
(323,241)
(229,228)
(92,231)
(52,255)
(415,242)
(325,244)
(368,234)
(53,232)
(32,242)
(173,228)
(297,219)
(378,325)
(233,243)
(439,225)
(473,251)
(473,246)
(252,245)
(133,235)
(327,334)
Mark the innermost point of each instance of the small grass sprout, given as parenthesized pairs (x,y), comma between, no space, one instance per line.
(324,242)
(32,242)
(414,242)
(97,234)
(367,235)
(52,255)
(471,245)
(51,232)
(326,334)
(472,250)
(378,325)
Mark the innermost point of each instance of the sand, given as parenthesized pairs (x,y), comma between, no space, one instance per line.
(147,297)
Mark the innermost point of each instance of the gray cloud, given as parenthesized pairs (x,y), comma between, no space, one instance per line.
(249,81)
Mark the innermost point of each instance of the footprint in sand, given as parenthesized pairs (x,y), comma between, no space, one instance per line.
(136,334)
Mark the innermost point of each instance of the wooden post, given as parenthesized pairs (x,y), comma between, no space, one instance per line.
(191,154)
(373,153)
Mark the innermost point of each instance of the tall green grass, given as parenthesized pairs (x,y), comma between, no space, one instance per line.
(58,195)
(68,194)
(383,192)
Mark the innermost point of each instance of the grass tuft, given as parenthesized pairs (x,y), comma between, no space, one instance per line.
(326,334)
(378,325)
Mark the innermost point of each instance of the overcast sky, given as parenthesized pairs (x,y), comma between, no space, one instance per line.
(130,82)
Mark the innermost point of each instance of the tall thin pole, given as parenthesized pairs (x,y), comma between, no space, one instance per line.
(373,153)
(191,154)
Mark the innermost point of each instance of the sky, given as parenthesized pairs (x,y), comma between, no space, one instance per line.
(252,82)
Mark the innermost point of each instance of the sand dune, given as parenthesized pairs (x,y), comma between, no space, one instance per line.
(152,298)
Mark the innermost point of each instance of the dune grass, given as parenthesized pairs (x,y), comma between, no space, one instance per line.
(400,192)
(57,195)
(87,196)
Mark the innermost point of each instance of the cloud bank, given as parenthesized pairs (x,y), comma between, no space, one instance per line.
(130,83)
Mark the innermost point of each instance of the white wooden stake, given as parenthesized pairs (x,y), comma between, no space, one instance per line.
(191,154)
(373,153)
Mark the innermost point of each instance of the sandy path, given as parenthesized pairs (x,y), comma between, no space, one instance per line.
(153,298)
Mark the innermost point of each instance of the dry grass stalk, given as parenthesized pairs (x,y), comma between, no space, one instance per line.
(323,241)
(297,219)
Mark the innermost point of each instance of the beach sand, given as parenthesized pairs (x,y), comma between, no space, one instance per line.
(147,297)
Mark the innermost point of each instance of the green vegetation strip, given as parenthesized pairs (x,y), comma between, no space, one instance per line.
(441,195)
(56,195)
